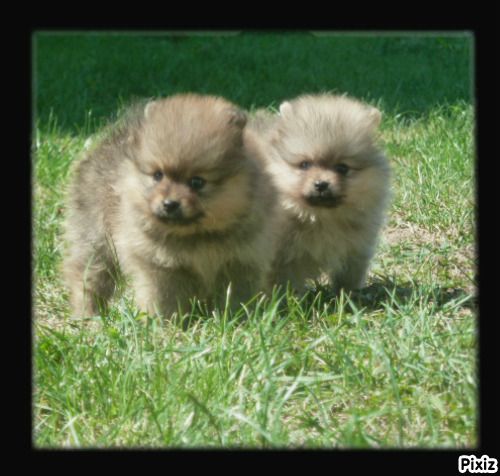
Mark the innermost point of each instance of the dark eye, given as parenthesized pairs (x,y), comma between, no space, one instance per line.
(305,164)
(158,175)
(342,169)
(196,183)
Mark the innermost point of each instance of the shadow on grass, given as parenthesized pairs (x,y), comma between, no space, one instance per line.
(379,293)
(376,297)
(386,292)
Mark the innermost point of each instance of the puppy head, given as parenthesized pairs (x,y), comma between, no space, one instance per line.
(190,172)
(327,154)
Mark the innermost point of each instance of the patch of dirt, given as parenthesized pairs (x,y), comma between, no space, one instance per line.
(455,261)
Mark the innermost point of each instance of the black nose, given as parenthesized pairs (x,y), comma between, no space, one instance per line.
(321,186)
(171,206)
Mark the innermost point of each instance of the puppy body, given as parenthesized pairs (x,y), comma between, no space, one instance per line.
(333,184)
(174,198)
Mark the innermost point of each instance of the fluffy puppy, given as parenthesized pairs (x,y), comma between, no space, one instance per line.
(333,182)
(173,197)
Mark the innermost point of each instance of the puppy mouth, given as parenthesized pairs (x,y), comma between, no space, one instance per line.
(181,220)
(326,200)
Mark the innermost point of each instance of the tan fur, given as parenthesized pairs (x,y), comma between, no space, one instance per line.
(336,241)
(117,218)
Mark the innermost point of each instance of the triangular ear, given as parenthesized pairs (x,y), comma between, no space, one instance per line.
(237,117)
(286,109)
(374,117)
(149,109)
(129,144)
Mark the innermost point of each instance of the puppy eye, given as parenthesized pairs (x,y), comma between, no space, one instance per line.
(196,183)
(158,175)
(305,164)
(342,169)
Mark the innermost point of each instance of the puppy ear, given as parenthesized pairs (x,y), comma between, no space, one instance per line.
(148,109)
(286,109)
(128,146)
(237,117)
(374,117)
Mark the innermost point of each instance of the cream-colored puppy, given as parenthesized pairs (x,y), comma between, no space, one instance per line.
(333,183)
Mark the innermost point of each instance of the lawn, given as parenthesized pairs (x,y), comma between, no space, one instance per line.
(390,366)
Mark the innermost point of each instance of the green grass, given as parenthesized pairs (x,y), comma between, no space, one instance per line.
(393,365)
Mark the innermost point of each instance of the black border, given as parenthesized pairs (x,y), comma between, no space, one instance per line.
(342,461)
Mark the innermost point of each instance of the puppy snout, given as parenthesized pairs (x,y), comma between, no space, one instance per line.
(321,185)
(171,206)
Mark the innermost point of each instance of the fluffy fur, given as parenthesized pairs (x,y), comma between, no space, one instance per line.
(173,197)
(333,183)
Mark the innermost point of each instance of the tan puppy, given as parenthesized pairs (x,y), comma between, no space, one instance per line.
(173,197)
(333,183)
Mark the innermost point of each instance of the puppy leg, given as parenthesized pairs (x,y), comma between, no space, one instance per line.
(164,291)
(295,273)
(90,277)
(246,281)
(351,275)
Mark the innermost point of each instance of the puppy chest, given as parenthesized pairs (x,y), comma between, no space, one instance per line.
(203,261)
(319,245)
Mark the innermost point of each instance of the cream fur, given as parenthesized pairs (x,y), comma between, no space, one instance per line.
(338,242)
